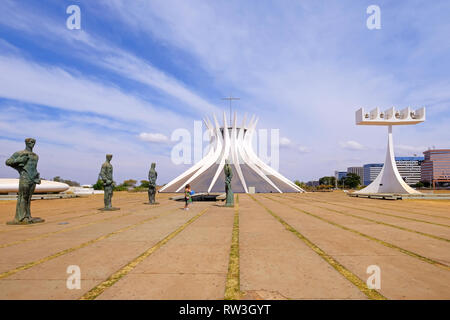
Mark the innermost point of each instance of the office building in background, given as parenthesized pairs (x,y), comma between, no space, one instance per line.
(371,171)
(359,171)
(436,166)
(339,175)
(409,168)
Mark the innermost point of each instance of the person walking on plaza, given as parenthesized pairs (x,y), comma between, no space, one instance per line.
(187,197)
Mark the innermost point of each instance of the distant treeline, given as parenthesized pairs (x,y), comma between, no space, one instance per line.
(69,182)
(127,185)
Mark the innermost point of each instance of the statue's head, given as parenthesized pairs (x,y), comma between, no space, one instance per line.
(109,157)
(30,142)
(153,165)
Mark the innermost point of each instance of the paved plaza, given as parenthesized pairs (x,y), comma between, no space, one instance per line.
(269,246)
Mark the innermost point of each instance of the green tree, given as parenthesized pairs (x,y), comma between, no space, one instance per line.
(129,183)
(426,184)
(121,187)
(419,184)
(144,184)
(351,180)
(69,182)
(98,185)
(329,181)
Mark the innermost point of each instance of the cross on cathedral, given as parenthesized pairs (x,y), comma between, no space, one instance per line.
(230,98)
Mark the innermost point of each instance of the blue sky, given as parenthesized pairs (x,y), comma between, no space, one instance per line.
(135,67)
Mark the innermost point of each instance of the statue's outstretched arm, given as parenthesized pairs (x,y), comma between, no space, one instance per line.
(17,160)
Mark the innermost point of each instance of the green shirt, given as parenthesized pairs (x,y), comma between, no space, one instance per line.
(187,194)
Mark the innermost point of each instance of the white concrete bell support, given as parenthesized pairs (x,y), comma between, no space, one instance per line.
(390,116)
(389,179)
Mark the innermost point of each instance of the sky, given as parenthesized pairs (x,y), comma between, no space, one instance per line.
(138,70)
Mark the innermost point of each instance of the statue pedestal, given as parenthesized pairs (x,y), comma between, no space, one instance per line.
(109,209)
(26,221)
(229,204)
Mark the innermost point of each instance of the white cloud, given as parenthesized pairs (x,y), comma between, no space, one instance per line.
(153,137)
(285,141)
(97,51)
(352,145)
(303,149)
(6,47)
(270,57)
(56,87)
(137,69)
(73,150)
(401,148)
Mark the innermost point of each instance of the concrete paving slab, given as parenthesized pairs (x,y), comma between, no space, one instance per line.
(432,248)
(199,252)
(43,289)
(168,286)
(274,263)
(361,254)
(294,271)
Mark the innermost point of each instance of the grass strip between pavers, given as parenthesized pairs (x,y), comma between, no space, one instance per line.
(92,212)
(350,276)
(314,199)
(396,216)
(48,234)
(376,221)
(85,244)
(233,287)
(382,242)
(23,227)
(99,289)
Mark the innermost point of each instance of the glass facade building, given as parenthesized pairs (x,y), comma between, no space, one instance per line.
(436,166)
(371,171)
(409,168)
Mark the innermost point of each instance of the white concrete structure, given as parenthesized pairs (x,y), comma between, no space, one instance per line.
(84,191)
(12,186)
(371,172)
(389,179)
(232,143)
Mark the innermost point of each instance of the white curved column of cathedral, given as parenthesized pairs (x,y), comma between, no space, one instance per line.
(232,144)
(225,138)
(235,156)
(208,160)
(266,168)
(245,145)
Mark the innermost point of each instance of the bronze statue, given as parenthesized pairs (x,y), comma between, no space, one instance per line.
(25,162)
(106,175)
(152,175)
(228,176)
